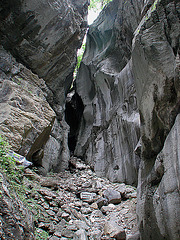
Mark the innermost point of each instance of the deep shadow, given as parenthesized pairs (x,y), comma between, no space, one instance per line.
(73,113)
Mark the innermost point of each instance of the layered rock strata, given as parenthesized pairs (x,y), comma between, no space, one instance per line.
(43,36)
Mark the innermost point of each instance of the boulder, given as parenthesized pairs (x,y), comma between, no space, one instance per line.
(87,196)
(80,235)
(112,229)
(102,202)
(20,160)
(96,214)
(112,196)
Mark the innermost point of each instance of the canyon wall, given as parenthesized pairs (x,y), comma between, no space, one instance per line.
(129,84)
(42,38)
(109,129)
(127,88)
(156,66)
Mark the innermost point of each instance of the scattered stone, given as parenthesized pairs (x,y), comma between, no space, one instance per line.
(77,164)
(54,238)
(87,196)
(113,196)
(87,184)
(45,205)
(31,175)
(78,204)
(50,183)
(66,216)
(97,185)
(112,229)
(67,233)
(96,214)
(44,226)
(50,212)
(86,210)
(135,236)
(59,227)
(94,205)
(108,208)
(72,227)
(96,234)
(101,202)
(80,235)
(57,234)
(48,193)
(81,225)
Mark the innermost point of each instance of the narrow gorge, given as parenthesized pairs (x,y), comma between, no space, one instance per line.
(94,139)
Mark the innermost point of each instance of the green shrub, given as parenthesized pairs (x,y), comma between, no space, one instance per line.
(8,164)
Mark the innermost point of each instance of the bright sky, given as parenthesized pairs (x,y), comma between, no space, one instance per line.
(92,15)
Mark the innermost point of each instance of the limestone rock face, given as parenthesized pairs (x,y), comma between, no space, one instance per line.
(133,53)
(155,60)
(109,129)
(26,118)
(159,198)
(156,67)
(44,36)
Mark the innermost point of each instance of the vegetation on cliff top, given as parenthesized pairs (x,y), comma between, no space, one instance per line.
(94,4)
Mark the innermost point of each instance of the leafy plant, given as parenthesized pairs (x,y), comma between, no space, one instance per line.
(79,58)
(41,234)
(94,4)
(8,164)
(14,175)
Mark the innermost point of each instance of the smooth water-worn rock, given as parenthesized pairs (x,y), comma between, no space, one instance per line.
(129,58)
(112,196)
(159,196)
(109,128)
(155,60)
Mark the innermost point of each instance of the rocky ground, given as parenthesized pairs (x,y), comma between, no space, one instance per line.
(77,204)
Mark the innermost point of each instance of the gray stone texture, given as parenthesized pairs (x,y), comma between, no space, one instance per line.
(133,53)
(128,82)
(159,198)
(109,129)
(112,196)
(155,61)
(44,36)
(26,118)
(16,220)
